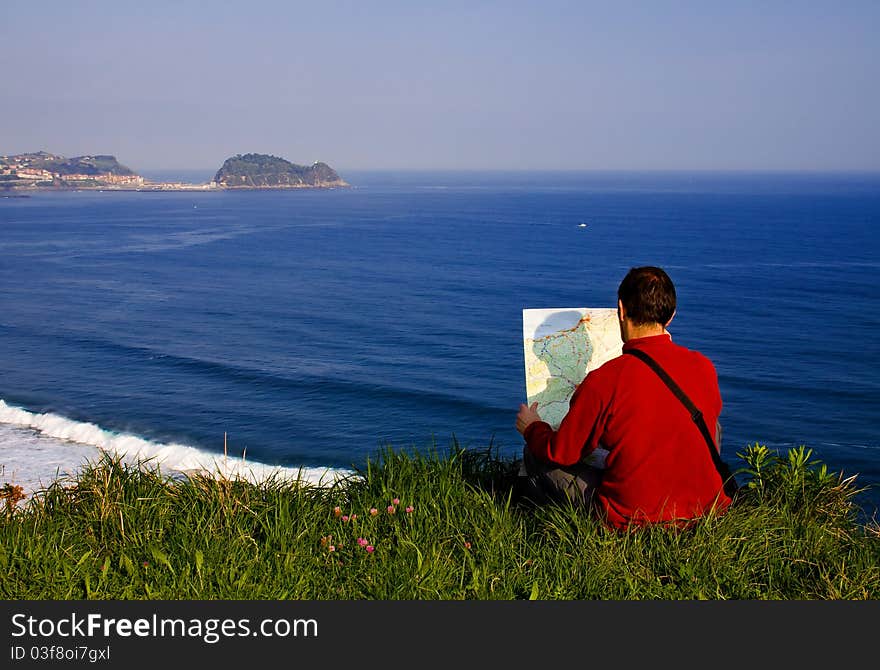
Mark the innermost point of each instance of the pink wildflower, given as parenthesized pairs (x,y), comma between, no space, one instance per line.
(373,511)
(370,548)
(146,563)
(345,517)
(331,548)
(467,545)
(362,541)
(396,501)
(354,516)
(391,509)
(410,509)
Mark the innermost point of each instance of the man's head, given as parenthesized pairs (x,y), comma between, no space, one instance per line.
(645,299)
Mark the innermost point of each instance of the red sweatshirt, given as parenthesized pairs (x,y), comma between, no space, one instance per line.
(658,467)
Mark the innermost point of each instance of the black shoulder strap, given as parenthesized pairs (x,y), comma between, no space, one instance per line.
(730,485)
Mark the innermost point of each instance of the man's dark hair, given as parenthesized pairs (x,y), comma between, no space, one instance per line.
(648,295)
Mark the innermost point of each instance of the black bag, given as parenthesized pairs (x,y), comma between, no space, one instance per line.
(729,481)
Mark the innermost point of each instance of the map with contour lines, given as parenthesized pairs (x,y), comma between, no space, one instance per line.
(561,346)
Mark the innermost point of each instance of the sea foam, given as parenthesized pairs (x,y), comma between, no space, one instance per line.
(39,448)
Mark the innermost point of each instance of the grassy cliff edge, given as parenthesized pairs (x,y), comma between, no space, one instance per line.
(427,526)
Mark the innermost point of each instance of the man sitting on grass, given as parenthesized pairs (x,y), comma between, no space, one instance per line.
(658,467)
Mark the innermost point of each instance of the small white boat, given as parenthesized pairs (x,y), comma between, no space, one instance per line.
(583,225)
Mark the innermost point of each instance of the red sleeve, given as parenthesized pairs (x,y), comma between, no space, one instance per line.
(579,431)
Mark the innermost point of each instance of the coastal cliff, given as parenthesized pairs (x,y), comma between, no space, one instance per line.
(265,171)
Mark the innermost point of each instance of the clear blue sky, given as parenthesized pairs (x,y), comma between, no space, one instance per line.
(512,85)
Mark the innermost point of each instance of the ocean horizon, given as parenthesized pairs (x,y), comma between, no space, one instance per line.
(308,329)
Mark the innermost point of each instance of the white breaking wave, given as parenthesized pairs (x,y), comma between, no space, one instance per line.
(36,449)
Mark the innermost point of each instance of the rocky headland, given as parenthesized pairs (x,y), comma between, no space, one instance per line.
(265,171)
(43,170)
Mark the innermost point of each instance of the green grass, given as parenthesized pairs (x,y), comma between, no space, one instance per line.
(125,532)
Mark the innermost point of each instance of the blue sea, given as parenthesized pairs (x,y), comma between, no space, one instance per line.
(305,330)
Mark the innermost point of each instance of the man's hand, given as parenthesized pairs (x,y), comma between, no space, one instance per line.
(526,416)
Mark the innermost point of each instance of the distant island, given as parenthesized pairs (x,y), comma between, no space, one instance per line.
(43,170)
(262,171)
